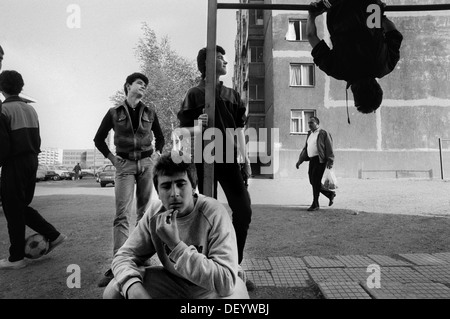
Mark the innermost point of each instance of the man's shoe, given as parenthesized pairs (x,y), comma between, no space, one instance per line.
(58,241)
(313,208)
(106,278)
(6,264)
(332,199)
(250,285)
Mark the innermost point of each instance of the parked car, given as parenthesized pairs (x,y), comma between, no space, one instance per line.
(61,172)
(87,173)
(97,173)
(51,175)
(107,176)
(41,173)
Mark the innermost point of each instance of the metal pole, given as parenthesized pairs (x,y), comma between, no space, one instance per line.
(305,7)
(440,158)
(210,91)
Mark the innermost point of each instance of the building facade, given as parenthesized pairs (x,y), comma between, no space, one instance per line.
(50,156)
(88,157)
(282,88)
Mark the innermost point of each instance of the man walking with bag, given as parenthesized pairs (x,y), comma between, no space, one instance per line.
(318,151)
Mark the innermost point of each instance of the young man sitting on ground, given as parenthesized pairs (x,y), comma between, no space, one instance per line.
(192,235)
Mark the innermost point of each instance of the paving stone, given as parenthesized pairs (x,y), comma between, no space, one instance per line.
(260,278)
(320,262)
(443,256)
(328,275)
(286,263)
(387,274)
(343,290)
(354,261)
(396,290)
(290,278)
(402,275)
(256,264)
(438,273)
(422,259)
(388,261)
(357,274)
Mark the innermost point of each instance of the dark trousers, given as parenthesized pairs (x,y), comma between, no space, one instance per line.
(18,183)
(315,173)
(230,179)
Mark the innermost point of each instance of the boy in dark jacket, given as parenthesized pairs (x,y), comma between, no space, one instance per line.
(19,148)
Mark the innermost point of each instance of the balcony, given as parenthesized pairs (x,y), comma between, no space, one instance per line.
(256,107)
(255,31)
(256,70)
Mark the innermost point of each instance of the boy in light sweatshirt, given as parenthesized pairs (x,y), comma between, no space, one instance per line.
(192,235)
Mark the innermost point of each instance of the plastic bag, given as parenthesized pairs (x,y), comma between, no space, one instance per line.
(329,180)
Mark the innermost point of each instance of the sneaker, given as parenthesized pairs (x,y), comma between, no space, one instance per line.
(6,264)
(106,278)
(58,241)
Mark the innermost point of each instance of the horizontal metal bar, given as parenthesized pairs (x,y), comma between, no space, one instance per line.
(305,7)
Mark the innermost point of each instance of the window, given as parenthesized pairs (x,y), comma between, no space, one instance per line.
(256,54)
(256,92)
(301,74)
(256,17)
(299,121)
(296,30)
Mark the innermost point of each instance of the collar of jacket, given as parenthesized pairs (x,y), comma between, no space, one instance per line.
(123,104)
(13,98)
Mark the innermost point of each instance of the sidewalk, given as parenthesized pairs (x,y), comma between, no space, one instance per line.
(407,276)
(404,276)
(421,197)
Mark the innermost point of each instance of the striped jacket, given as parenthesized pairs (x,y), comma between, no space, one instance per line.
(19,129)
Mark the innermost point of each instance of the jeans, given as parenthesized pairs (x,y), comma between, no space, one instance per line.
(161,284)
(18,183)
(315,173)
(230,178)
(127,174)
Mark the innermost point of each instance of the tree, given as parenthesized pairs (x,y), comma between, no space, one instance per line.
(170,76)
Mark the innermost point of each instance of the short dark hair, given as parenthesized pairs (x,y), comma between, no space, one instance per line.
(201,59)
(165,166)
(11,82)
(315,119)
(133,77)
(367,94)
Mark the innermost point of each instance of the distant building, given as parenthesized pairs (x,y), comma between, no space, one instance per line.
(88,157)
(50,156)
(282,88)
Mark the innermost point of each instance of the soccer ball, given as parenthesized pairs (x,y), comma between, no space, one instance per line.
(36,246)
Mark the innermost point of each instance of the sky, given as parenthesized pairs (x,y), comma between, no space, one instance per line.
(74,55)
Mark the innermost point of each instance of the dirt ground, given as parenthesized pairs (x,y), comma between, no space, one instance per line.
(276,230)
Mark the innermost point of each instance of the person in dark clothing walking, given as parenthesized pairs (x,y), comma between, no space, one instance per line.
(136,127)
(229,114)
(19,148)
(318,150)
(360,53)
(77,170)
